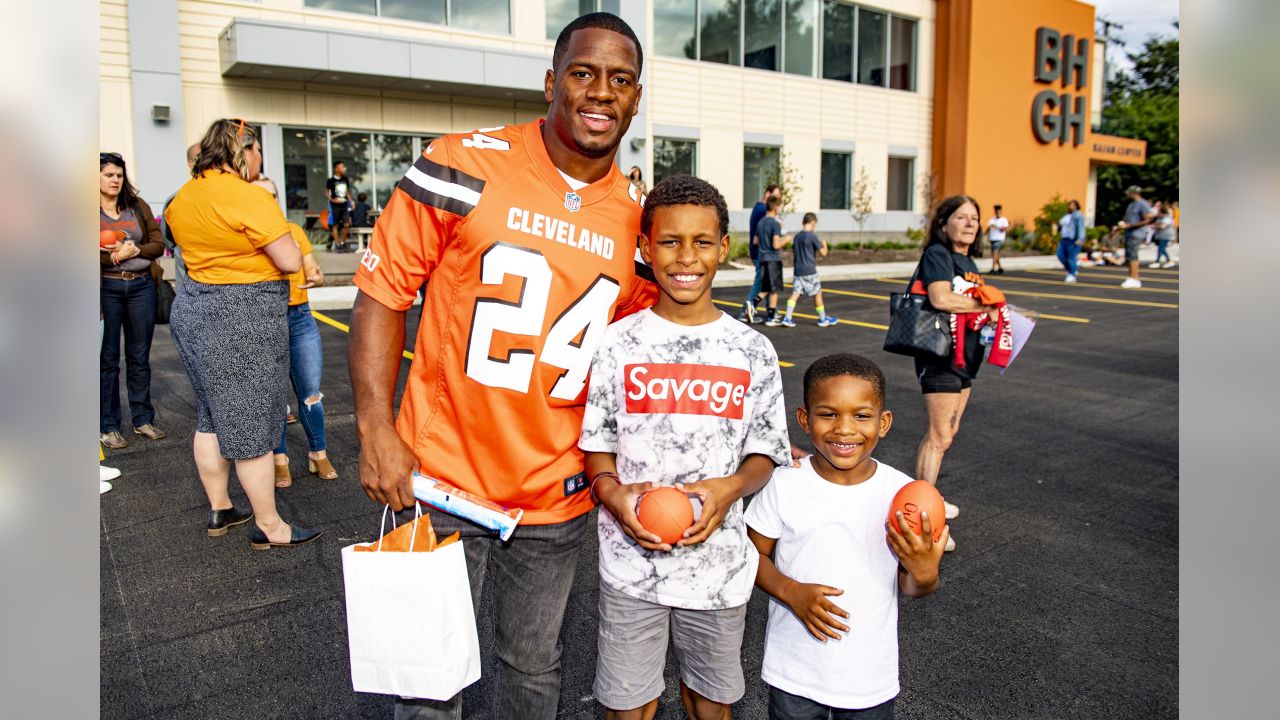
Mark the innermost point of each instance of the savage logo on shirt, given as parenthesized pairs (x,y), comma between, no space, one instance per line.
(679,389)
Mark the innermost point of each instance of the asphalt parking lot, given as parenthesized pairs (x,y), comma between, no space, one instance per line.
(1060,601)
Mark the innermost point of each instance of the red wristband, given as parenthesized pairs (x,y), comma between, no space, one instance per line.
(596,479)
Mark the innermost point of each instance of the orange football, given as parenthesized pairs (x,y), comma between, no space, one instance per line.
(665,512)
(911,499)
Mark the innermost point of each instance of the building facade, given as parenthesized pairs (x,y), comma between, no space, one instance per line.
(823,93)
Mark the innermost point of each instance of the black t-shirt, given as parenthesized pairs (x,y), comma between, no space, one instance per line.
(339,188)
(939,263)
(768,229)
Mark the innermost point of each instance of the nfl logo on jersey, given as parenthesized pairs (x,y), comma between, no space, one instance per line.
(573,201)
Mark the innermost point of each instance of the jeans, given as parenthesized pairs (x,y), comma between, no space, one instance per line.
(1067,252)
(757,283)
(785,706)
(1162,250)
(131,305)
(306,364)
(532,576)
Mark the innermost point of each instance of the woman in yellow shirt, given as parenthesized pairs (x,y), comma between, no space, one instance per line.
(230,328)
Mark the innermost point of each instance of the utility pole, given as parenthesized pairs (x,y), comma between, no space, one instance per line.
(1107,38)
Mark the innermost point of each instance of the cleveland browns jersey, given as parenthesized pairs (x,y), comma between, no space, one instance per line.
(522,276)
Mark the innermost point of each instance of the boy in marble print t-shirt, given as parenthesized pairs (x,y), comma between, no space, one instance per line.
(681,395)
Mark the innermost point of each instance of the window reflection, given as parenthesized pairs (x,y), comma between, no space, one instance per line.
(674,157)
(763,44)
(492,16)
(431,11)
(675,27)
(720,25)
(801,22)
(871,47)
(837,42)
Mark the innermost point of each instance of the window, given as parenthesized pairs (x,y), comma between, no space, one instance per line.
(368,7)
(674,157)
(720,26)
(492,16)
(801,44)
(836,181)
(375,164)
(762,46)
(760,166)
(902,54)
(901,183)
(431,11)
(837,42)
(675,28)
(562,12)
(306,160)
(871,47)
(392,156)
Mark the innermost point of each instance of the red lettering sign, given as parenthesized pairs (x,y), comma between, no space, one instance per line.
(678,389)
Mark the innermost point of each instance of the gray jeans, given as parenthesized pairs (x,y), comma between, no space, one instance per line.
(532,576)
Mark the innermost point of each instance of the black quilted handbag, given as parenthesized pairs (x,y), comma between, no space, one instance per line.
(915,328)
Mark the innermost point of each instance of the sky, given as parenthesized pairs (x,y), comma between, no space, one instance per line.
(1141,18)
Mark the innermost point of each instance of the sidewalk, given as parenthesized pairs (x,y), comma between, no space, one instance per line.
(342,266)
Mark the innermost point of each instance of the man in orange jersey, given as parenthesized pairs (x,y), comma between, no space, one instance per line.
(527,236)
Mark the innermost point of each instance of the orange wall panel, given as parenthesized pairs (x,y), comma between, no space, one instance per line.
(986,145)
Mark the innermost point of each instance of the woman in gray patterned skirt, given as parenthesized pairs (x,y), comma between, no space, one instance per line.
(229,325)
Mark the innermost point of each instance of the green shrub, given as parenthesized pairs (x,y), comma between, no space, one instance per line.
(1045,223)
(1097,232)
(915,235)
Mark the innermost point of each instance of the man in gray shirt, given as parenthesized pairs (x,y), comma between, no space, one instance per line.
(1136,216)
(179,267)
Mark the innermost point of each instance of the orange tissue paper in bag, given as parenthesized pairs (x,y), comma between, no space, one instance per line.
(419,533)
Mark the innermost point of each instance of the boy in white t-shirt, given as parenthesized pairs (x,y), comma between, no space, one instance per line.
(821,531)
(997,227)
(681,395)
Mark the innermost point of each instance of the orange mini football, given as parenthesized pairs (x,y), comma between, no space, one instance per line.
(107,238)
(665,512)
(911,499)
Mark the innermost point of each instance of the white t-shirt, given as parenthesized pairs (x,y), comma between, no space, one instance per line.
(996,227)
(680,404)
(833,535)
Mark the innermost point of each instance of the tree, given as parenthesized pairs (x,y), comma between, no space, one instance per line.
(788,178)
(1143,103)
(928,195)
(862,189)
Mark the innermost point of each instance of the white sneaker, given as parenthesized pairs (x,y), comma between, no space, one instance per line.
(1069,279)
(1155,265)
(953,512)
(951,545)
(107,473)
(104,487)
(1169,264)
(1131,283)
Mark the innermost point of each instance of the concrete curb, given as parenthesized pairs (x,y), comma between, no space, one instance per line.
(342,298)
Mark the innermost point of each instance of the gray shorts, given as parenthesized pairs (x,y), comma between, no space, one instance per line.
(807,285)
(632,650)
(996,245)
(1132,241)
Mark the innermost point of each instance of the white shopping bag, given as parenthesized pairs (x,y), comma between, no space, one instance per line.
(410,623)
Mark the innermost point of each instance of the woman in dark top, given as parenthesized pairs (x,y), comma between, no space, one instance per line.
(127,298)
(946,270)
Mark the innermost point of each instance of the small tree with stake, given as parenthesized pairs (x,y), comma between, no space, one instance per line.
(863,186)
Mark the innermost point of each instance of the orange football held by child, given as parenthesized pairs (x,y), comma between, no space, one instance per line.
(910,500)
(665,512)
